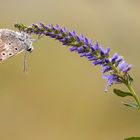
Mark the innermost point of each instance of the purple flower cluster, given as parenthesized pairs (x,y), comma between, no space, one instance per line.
(114,69)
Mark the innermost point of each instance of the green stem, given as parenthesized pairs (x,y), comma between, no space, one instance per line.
(134,94)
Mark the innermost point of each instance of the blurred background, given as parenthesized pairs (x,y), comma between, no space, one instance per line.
(62,95)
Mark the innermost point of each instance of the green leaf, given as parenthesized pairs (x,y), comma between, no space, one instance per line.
(133,105)
(133,138)
(121,93)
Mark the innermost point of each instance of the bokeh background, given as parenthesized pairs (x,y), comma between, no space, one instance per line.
(62,96)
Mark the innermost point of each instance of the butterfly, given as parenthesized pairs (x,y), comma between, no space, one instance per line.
(13,43)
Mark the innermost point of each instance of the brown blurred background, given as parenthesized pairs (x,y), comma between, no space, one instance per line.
(62,96)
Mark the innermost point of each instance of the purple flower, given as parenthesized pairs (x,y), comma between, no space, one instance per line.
(114,57)
(73,48)
(106,69)
(112,79)
(124,66)
(114,68)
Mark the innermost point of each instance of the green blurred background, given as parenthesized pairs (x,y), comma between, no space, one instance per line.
(62,96)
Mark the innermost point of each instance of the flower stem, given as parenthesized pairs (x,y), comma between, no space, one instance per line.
(134,94)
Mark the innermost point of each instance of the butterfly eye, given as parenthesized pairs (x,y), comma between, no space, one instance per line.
(16,49)
(30,50)
(3,53)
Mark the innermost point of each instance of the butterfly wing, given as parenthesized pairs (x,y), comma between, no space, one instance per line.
(10,45)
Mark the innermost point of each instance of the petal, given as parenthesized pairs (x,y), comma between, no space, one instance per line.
(73,48)
(80,49)
(96,46)
(92,58)
(106,69)
(83,54)
(102,51)
(98,62)
(122,65)
(114,57)
(107,51)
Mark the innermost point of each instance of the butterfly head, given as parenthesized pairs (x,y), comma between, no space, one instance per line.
(27,41)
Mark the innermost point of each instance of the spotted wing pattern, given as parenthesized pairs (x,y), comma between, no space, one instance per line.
(10,45)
